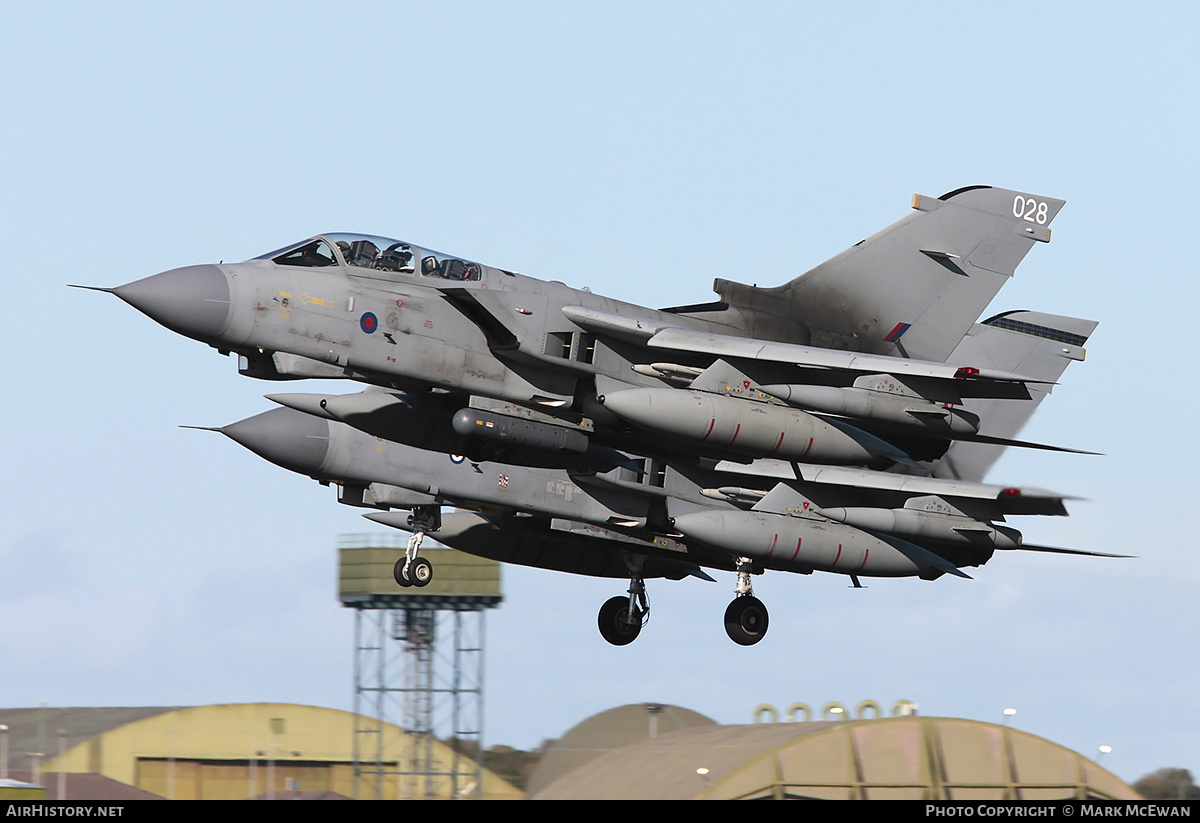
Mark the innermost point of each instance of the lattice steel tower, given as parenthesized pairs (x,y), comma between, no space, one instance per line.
(418,663)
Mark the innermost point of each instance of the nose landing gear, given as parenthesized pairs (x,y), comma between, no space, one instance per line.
(417,572)
(412,570)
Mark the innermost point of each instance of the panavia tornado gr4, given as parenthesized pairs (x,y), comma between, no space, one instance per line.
(842,422)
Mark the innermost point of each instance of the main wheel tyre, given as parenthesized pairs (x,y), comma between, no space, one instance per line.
(746,621)
(615,625)
(420,572)
(398,573)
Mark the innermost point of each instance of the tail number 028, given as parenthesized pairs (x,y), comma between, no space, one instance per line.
(1029,209)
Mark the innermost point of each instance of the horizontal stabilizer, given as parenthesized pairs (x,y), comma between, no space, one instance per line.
(1034,343)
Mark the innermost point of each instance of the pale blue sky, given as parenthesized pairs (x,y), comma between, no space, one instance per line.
(641,152)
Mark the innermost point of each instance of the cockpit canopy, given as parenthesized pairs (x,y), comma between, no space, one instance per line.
(373,256)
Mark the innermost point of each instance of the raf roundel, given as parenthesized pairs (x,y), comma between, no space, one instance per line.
(368,322)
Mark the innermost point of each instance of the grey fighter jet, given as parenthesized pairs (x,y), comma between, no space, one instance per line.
(599,437)
(667,522)
(846,363)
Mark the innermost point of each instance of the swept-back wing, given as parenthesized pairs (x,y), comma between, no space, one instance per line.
(1004,499)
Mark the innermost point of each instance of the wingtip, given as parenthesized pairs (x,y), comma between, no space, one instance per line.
(1077,552)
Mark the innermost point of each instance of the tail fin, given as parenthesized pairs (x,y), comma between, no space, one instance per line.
(915,288)
(1030,343)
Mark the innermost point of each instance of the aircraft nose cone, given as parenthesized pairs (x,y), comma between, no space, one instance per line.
(193,301)
(296,441)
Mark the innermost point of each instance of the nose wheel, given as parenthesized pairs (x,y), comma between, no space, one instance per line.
(411,570)
(400,573)
(418,572)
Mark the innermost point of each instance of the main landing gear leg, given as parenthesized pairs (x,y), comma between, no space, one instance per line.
(621,618)
(412,570)
(746,618)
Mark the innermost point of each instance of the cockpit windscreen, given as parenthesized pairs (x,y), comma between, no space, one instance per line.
(375,254)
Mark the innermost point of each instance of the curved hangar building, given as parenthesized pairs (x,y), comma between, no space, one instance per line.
(900,758)
(231,752)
